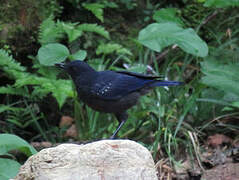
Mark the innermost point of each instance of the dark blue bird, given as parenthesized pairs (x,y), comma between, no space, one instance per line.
(111,91)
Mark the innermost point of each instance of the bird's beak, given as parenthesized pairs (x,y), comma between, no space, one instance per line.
(60,65)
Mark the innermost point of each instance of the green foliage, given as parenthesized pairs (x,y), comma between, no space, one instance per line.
(70,30)
(222,76)
(9,142)
(111,48)
(156,36)
(60,89)
(221,3)
(93,28)
(96,9)
(79,55)
(130,4)
(8,63)
(8,168)
(12,142)
(53,53)
(74,30)
(167,15)
(49,32)
(6,108)
(14,91)
(21,117)
(139,68)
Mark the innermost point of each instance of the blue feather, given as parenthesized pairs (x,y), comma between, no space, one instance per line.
(166,83)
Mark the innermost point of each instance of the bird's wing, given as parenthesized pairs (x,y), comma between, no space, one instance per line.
(111,85)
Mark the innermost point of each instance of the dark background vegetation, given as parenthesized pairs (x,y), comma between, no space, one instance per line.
(164,120)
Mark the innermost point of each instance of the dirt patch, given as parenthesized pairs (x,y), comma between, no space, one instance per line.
(228,171)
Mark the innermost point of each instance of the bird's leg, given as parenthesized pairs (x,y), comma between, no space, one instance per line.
(117,130)
(121,117)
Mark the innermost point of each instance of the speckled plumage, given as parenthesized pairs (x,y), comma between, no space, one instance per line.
(111,91)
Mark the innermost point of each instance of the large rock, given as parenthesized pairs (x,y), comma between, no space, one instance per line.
(103,160)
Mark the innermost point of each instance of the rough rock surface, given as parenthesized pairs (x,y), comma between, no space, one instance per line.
(101,160)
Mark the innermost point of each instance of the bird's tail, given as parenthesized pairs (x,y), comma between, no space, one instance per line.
(166,83)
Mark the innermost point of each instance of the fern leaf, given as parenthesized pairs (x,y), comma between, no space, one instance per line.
(70,30)
(60,89)
(94,28)
(96,9)
(4,108)
(14,91)
(111,48)
(6,60)
(12,68)
(49,32)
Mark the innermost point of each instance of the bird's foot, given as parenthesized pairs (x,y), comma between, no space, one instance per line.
(112,137)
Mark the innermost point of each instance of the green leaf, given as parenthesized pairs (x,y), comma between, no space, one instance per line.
(79,55)
(221,76)
(49,32)
(14,91)
(139,68)
(10,142)
(6,60)
(156,36)
(235,104)
(167,15)
(52,53)
(94,28)
(60,89)
(8,168)
(221,3)
(110,48)
(4,108)
(96,9)
(70,30)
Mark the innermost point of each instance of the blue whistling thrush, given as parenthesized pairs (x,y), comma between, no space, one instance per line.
(111,91)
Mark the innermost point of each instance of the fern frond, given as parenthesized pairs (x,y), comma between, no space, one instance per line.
(14,91)
(70,30)
(11,67)
(111,48)
(60,89)
(4,108)
(94,28)
(96,9)
(6,60)
(49,32)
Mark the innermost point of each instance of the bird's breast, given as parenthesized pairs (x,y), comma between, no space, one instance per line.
(111,106)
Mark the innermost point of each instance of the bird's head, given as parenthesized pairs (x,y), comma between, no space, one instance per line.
(75,68)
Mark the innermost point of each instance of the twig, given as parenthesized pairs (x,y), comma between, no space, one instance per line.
(210,17)
(164,53)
